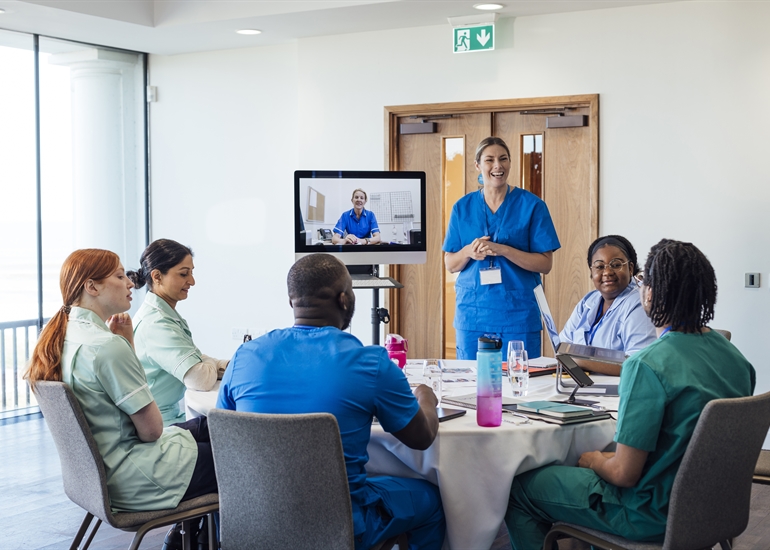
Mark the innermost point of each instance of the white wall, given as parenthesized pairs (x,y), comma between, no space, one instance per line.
(224,149)
(684,133)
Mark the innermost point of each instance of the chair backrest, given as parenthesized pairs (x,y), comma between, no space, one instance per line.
(726,333)
(82,467)
(282,481)
(710,499)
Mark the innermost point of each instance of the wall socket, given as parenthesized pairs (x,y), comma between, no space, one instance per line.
(239,333)
(752,280)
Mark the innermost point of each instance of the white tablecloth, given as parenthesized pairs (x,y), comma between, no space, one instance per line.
(473,466)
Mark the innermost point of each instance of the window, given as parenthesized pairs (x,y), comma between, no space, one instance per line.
(72,175)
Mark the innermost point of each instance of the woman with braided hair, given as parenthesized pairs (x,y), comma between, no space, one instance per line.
(663,389)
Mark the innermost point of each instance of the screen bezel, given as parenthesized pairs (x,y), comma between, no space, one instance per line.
(362,254)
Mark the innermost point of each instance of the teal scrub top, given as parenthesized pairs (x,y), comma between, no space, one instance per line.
(166,350)
(663,389)
(109,383)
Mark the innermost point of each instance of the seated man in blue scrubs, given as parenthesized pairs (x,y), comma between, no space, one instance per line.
(316,367)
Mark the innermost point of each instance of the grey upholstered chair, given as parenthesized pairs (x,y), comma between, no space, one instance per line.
(85,480)
(726,333)
(282,481)
(710,500)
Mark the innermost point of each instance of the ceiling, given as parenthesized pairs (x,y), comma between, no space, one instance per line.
(169,27)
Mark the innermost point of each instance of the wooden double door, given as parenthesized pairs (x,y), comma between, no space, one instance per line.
(564,173)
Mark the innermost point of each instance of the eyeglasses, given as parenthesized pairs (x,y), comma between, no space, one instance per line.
(614,266)
(639,279)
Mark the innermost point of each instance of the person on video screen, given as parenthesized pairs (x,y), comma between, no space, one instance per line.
(357,225)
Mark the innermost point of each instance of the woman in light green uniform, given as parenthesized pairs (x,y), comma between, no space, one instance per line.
(164,343)
(663,389)
(88,345)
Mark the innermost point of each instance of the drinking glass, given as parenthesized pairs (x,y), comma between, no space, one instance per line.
(514,348)
(518,373)
(431,372)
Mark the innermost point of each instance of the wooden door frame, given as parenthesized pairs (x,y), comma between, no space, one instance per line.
(392,114)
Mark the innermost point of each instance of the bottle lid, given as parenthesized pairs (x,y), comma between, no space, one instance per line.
(490,343)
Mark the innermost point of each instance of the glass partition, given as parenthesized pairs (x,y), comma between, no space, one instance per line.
(72,175)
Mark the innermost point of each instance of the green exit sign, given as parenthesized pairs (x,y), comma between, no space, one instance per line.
(474,39)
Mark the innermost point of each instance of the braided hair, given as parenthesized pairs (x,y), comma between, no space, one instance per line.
(617,241)
(684,286)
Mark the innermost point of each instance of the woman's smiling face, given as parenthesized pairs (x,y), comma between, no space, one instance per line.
(175,284)
(494,165)
(610,283)
(358,200)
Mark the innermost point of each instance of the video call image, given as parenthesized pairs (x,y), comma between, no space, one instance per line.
(391,206)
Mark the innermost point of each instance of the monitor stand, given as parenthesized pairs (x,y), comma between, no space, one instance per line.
(367,276)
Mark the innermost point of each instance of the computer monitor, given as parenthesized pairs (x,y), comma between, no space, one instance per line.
(396,199)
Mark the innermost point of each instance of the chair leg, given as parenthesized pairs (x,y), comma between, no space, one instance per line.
(82,532)
(212,532)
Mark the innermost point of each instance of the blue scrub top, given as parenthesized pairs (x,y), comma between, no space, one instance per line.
(363,227)
(522,222)
(323,369)
(625,326)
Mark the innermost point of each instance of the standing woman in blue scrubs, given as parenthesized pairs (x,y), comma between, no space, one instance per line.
(500,239)
(163,340)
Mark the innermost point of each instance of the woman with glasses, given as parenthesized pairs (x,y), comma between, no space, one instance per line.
(663,390)
(611,316)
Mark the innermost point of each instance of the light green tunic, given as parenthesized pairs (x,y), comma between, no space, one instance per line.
(109,383)
(166,350)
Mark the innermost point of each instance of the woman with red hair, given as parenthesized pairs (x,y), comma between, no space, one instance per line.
(88,344)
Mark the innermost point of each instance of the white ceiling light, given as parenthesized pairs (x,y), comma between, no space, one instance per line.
(488,6)
(249,31)
(2,10)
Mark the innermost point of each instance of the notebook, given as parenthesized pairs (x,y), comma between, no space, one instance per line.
(553,408)
(469,401)
(593,417)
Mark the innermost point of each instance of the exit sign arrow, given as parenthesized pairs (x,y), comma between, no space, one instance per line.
(474,38)
(483,37)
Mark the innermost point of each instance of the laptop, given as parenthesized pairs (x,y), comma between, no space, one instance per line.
(603,355)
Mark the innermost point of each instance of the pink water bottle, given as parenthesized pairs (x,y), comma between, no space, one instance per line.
(489,382)
(396,346)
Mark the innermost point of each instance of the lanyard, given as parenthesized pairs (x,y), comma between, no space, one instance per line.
(501,222)
(665,330)
(595,324)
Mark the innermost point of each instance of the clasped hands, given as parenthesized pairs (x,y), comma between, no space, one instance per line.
(482,247)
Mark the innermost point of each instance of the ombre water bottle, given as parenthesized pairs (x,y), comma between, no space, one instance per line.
(489,382)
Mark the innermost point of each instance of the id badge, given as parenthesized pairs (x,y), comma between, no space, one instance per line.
(491,275)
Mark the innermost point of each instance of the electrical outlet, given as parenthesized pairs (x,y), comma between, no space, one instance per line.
(751,280)
(239,333)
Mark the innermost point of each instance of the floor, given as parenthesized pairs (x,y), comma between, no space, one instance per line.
(35,513)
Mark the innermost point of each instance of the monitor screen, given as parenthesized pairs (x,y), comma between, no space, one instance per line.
(363,218)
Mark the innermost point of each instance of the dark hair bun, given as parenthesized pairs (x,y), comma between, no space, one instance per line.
(136,278)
